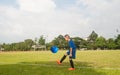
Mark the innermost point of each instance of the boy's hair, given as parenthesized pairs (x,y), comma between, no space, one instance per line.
(67,36)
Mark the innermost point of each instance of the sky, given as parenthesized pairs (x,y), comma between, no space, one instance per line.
(27,19)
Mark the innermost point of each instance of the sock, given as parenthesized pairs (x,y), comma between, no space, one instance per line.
(71,63)
(62,59)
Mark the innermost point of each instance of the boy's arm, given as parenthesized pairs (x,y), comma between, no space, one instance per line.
(70,51)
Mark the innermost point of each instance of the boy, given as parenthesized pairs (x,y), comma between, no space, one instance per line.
(71,52)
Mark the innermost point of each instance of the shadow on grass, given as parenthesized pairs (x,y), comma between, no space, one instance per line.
(47,68)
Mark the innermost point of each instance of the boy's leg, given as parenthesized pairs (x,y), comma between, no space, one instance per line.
(63,58)
(71,62)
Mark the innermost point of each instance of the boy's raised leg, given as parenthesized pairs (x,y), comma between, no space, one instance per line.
(62,59)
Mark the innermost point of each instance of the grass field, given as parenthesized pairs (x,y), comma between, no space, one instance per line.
(43,63)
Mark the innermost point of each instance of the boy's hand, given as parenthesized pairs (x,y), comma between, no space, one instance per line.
(71,52)
(70,55)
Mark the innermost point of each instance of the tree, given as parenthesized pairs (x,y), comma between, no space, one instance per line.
(91,40)
(28,43)
(61,41)
(14,46)
(92,37)
(7,47)
(111,43)
(117,41)
(48,45)
(22,46)
(100,42)
(42,40)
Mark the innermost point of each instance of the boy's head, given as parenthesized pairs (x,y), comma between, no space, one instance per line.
(67,37)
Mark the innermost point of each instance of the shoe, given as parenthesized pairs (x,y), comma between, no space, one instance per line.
(71,69)
(58,62)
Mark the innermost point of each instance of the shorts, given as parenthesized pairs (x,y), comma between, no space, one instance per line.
(73,53)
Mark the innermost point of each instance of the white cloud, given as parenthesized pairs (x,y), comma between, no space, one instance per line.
(40,17)
(104,15)
(36,5)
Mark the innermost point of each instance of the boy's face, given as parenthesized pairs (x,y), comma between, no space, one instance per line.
(66,38)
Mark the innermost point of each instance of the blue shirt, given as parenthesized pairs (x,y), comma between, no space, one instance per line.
(72,44)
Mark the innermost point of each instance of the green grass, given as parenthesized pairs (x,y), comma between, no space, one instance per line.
(43,63)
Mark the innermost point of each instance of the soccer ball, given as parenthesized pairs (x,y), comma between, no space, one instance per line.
(54,49)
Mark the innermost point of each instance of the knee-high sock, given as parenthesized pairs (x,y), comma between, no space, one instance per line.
(63,58)
(71,63)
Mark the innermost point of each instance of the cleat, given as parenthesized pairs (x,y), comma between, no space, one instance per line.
(58,62)
(71,69)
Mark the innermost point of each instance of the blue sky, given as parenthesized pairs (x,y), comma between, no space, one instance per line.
(60,4)
(63,4)
(8,3)
(23,19)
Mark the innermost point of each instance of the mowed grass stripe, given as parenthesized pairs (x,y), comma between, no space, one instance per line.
(78,67)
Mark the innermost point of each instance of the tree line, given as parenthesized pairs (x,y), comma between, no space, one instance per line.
(92,42)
